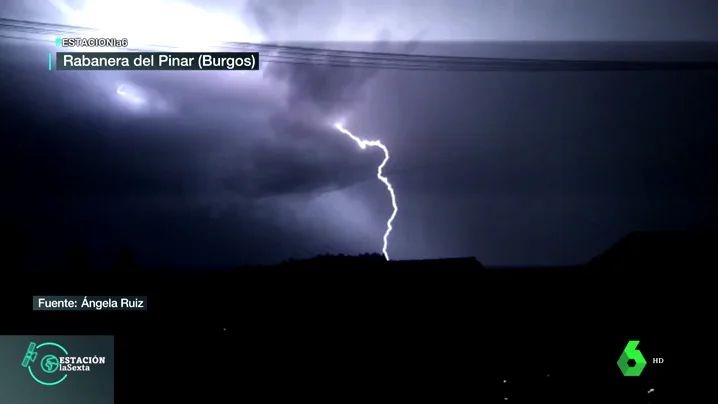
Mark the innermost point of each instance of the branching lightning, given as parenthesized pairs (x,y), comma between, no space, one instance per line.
(363,144)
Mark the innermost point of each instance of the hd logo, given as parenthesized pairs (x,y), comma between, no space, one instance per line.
(55,363)
(630,352)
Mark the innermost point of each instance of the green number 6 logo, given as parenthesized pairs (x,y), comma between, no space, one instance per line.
(630,352)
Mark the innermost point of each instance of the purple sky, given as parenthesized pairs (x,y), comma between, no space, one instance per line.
(231,168)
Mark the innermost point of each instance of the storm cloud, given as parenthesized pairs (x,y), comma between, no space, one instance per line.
(231,168)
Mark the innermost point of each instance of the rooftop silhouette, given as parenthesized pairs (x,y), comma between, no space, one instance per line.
(643,249)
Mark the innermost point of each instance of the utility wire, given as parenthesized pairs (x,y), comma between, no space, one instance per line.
(297,55)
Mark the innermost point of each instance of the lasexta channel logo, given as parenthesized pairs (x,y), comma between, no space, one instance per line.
(631,353)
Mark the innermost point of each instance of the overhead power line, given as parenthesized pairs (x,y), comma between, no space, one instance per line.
(297,55)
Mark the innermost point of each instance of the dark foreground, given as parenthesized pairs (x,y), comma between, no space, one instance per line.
(448,335)
(439,331)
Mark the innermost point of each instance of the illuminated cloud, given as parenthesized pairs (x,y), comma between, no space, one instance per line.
(158,23)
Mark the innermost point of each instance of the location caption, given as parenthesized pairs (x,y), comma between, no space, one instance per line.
(85,303)
(157,61)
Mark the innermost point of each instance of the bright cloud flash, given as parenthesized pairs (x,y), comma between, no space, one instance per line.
(158,23)
(140,100)
(131,94)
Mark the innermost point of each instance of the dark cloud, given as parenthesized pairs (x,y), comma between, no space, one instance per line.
(72,153)
(81,168)
(318,95)
(538,134)
(273,17)
(79,147)
(285,170)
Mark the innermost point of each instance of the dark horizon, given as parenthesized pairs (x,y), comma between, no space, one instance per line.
(628,254)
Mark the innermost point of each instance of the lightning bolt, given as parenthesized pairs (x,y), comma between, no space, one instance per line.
(363,144)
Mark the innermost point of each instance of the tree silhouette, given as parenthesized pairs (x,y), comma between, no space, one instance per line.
(330,259)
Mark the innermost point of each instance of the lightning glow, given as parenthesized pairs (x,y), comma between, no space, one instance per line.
(121,91)
(185,26)
(363,144)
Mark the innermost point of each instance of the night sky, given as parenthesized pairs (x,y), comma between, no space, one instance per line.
(218,169)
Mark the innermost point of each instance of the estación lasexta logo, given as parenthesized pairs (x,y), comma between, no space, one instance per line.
(48,373)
